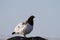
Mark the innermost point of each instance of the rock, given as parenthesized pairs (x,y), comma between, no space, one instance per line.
(22,38)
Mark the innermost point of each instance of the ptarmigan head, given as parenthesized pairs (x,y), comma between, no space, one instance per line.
(30,20)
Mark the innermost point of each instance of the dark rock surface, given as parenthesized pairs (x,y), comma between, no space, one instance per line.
(22,38)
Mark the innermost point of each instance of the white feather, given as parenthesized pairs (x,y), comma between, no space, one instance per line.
(23,29)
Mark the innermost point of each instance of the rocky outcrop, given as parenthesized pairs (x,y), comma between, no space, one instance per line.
(22,38)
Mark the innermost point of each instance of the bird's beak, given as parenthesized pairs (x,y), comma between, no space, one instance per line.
(34,16)
(13,33)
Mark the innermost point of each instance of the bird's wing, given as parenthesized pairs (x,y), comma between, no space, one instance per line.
(18,27)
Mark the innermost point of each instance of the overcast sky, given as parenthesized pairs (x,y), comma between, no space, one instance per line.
(47,13)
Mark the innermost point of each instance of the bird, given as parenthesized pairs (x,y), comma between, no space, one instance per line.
(24,28)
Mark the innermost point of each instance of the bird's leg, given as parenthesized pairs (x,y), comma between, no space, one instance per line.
(24,36)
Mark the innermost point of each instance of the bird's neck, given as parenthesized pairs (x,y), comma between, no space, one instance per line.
(30,21)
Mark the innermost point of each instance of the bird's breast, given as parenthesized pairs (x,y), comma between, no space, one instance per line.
(27,28)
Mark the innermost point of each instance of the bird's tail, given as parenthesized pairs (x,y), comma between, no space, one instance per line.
(13,33)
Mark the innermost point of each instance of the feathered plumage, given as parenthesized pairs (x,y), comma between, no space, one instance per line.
(24,27)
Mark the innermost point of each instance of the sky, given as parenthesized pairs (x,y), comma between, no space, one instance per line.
(46,12)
